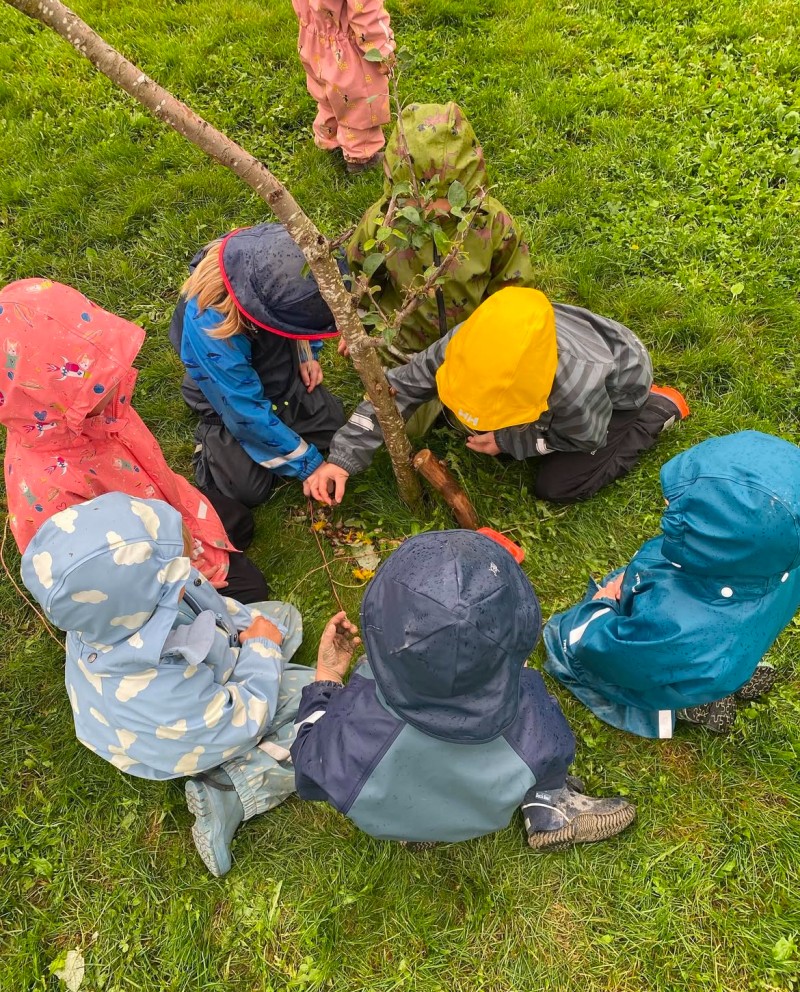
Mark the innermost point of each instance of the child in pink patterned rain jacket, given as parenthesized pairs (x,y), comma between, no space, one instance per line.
(334,36)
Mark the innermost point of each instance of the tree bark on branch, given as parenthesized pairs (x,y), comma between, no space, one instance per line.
(308,237)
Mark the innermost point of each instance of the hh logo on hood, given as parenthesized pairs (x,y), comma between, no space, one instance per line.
(467,418)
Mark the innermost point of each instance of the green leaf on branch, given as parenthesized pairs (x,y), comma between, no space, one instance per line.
(383,234)
(442,242)
(373,55)
(372,263)
(411,214)
(374,96)
(369,245)
(457,195)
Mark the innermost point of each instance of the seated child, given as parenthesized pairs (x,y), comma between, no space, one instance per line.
(681,631)
(352,94)
(441,732)
(527,378)
(242,329)
(444,149)
(73,434)
(165,677)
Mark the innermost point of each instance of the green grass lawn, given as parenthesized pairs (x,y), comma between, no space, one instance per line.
(652,150)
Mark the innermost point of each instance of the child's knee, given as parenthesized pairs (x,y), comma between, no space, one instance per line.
(285,614)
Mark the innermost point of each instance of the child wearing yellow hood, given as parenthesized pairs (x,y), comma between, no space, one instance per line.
(526,378)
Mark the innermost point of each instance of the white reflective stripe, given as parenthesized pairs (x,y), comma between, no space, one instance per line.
(202,511)
(665,724)
(577,633)
(553,809)
(301,449)
(311,719)
(274,751)
(542,447)
(359,420)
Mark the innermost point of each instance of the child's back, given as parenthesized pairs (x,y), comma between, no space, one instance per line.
(165,677)
(441,735)
(444,149)
(700,605)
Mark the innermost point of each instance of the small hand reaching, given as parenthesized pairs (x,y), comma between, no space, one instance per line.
(311,374)
(261,627)
(484,444)
(336,649)
(326,483)
(612,589)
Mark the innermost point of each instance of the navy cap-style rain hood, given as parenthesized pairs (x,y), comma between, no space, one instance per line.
(262,268)
(448,622)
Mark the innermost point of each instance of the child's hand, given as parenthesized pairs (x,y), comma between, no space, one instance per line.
(311,374)
(326,484)
(336,649)
(261,627)
(612,589)
(484,444)
(342,348)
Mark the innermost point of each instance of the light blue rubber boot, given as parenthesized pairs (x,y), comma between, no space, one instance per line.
(213,801)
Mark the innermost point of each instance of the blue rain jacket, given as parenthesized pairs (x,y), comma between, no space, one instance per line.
(440,734)
(159,684)
(224,372)
(249,384)
(702,603)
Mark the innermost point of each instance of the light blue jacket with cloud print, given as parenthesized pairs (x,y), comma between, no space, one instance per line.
(158,681)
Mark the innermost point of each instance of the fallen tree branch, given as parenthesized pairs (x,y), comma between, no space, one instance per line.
(309,238)
(436,472)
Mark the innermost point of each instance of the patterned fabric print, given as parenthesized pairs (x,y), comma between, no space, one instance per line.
(334,34)
(444,148)
(64,356)
(264,776)
(159,683)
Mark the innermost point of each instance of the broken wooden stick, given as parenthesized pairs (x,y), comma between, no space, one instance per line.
(438,475)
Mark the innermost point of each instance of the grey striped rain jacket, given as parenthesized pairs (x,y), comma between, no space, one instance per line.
(602,367)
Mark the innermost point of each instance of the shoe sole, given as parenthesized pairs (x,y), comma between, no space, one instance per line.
(674,397)
(586,828)
(196,801)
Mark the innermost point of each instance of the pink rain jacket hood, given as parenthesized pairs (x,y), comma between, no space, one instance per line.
(63,355)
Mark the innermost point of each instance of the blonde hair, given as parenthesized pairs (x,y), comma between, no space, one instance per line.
(206,286)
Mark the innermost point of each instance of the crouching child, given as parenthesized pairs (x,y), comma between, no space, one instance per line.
(681,631)
(441,732)
(165,677)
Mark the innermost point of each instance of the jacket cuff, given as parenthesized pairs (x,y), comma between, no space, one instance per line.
(350,465)
(314,699)
(313,461)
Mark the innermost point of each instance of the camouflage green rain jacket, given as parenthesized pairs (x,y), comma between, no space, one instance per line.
(443,148)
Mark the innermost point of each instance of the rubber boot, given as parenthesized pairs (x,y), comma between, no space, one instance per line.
(672,402)
(718,717)
(218,811)
(763,679)
(558,819)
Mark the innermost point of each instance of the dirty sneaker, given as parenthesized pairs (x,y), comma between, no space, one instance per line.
(763,679)
(718,717)
(213,801)
(562,817)
(672,402)
(354,168)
